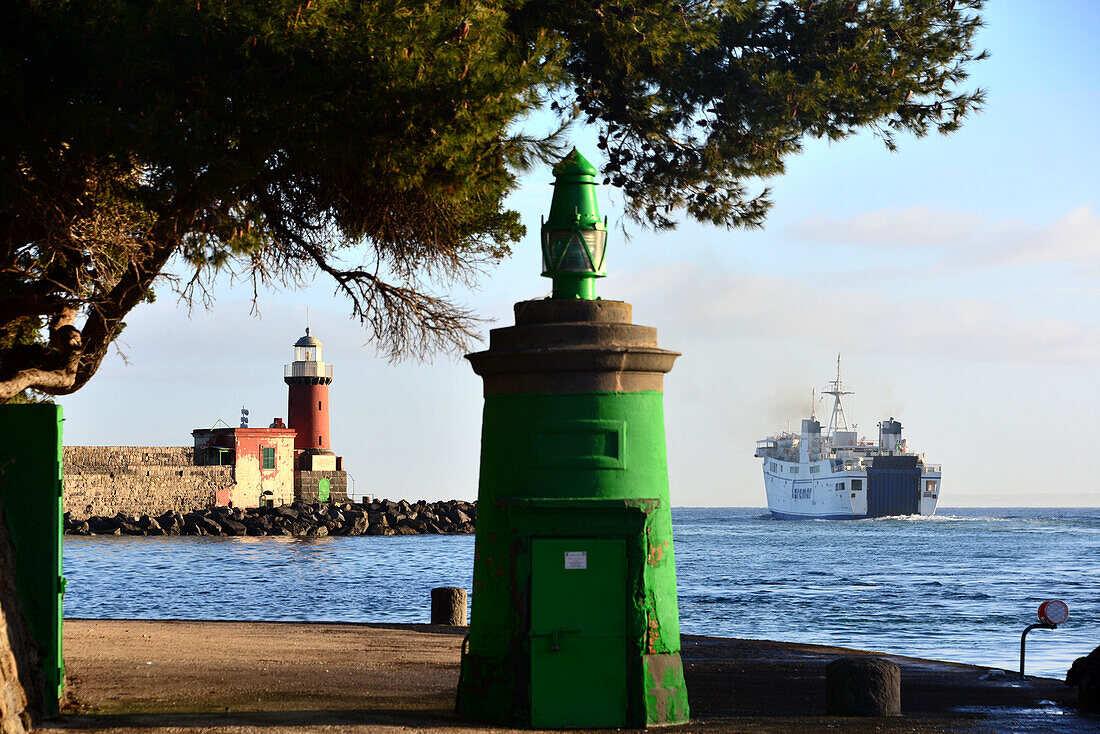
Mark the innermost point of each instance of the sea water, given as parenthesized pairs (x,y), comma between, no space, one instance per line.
(959,586)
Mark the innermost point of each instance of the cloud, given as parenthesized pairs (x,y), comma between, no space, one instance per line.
(967,239)
(1072,238)
(700,303)
(915,226)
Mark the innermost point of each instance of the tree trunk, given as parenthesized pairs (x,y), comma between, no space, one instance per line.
(22,682)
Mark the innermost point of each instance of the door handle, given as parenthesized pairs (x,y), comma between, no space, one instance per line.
(555,637)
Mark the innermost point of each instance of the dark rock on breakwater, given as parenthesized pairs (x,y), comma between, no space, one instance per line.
(1084,675)
(380,517)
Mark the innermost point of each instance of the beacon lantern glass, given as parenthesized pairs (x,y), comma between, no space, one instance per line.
(574,251)
(1053,612)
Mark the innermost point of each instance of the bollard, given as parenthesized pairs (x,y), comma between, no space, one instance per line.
(449,606)
(863,686)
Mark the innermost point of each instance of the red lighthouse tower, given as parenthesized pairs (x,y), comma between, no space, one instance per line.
(308,378)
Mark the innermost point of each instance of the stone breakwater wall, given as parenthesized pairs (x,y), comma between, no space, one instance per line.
(138,480)
(305,485)
(380,517)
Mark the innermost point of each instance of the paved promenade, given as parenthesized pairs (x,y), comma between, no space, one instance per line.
(236,677)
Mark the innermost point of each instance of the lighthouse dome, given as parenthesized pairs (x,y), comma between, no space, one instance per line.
(308,341)
(307,349)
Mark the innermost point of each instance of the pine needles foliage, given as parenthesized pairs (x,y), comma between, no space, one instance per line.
(375,142)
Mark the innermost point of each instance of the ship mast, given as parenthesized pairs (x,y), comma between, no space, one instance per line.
(838,421)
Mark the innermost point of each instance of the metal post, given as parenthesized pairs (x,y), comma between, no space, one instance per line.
(1023,640)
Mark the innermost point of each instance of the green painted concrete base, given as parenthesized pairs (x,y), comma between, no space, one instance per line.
(666,693)
(577,470)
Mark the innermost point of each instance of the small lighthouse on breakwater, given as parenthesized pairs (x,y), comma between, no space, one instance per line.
(319,474)
(308,378)
(281,464)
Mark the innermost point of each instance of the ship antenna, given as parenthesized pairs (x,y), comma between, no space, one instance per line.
(838,421)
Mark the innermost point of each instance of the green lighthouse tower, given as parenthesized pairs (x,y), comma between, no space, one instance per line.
(574,620)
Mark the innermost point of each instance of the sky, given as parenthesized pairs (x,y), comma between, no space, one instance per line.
(959,278)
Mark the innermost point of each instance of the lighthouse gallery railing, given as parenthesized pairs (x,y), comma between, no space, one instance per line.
(307,369)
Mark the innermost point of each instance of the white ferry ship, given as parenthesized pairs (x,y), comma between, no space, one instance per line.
(837,476)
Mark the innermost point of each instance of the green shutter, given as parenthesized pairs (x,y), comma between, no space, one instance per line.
(269,458)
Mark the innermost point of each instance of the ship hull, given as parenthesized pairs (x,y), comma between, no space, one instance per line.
(813,491)
(796,516)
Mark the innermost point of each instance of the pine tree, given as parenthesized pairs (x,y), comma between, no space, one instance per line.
(279,139)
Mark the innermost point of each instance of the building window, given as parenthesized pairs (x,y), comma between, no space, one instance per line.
(319,441)
(221,457)
(318,405)
(269,458)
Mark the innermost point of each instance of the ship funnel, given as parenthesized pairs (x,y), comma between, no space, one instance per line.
(889,435)
(809,448)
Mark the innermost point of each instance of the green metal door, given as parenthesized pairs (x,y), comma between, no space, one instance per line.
(578,633)
(30,489)
(322,490)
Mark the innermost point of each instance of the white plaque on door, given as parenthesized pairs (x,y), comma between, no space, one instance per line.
(576,560)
